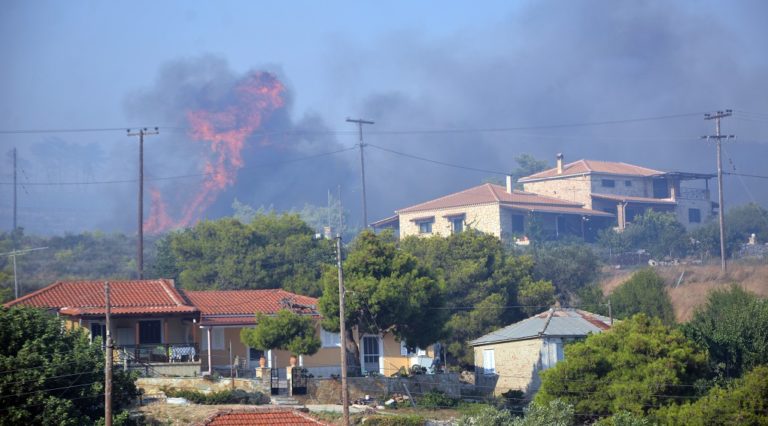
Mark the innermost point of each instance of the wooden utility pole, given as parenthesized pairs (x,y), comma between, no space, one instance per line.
(721,207)
(108,362)
(360,123)
(342,334)
(15,208)
(140,249)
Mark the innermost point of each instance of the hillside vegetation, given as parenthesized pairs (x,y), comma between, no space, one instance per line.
(697,282)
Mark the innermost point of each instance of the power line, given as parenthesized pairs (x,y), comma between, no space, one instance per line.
(105,182)
(746,175)
(379,132)
(442,163)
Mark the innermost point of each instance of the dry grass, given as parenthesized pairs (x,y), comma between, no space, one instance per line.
(697,282)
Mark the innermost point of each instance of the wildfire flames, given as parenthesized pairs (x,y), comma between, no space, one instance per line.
(225,132)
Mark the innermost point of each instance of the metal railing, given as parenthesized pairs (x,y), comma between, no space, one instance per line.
(160,352)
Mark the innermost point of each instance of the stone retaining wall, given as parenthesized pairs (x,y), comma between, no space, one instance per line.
(152,385)
(328,391)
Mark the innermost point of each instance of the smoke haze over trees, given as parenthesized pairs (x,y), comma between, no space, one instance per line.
(534,64)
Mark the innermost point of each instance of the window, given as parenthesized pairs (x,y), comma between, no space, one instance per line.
(608,183)
(329,339)
(425,227)
(694,216)
(457,224)
(627,183)
(660,188)
(518,224)
(150,332)
(551,352)
(217,339)
(489,362)
(255,354)
(99,330)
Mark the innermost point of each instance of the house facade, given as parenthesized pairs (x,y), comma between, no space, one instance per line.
(512,357)
(502,211)
(152,324)
(626,190)
(163,330)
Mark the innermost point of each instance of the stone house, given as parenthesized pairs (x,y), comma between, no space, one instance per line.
(502,211)
(512,357)
(626,190)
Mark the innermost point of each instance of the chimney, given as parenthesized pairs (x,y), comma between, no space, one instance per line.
(559,163)
(509,184)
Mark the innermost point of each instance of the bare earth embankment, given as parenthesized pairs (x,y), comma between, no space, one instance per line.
(697,281)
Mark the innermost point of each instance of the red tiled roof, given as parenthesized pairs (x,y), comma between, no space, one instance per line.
(487,194)
(126,297)
(237,307)
(626,198)
(261,417)
(594,166)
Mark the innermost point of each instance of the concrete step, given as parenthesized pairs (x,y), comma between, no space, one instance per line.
(284,400)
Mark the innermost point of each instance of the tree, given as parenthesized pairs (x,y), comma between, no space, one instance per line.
(272,251)
(643,292)
(388,291)
(742,402)
(638,364)
(733,326)
(569,267)
(740,223)
(51,374)
(481,281)
(286,330)
(659,233)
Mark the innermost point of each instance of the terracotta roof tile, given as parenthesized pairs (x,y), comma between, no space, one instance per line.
(127,297)
(233,307)
(261,417)
(594,166)
(487,194)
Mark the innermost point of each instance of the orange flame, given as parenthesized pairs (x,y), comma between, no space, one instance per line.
(226,132)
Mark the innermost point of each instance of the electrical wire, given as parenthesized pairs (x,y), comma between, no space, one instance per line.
(442,163)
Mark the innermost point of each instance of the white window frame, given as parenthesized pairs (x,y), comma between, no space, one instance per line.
(489,358)
(217,339)
(330,339)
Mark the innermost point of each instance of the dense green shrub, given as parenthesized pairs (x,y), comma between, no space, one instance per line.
(436,399)
(236,396)
(411,420)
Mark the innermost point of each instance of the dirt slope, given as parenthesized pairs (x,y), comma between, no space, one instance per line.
(697,281)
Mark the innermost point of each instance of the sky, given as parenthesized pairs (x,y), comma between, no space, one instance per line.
(472,86)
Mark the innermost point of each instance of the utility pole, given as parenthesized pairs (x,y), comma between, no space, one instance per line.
(15,223)
(721,208)
(108,362)
(360,123)
(13,254)
(342,334)
(140,249)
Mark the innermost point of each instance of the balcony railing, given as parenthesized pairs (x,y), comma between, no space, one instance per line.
(159,353)
(694,194)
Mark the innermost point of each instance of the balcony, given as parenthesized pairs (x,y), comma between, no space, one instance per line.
(696,194)
(159,353)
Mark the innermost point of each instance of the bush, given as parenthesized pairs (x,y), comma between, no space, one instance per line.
(436,399)
(644,293)
(411,420)
(488,416)
(217,398)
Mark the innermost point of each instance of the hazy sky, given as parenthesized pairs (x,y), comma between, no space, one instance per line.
(409,66)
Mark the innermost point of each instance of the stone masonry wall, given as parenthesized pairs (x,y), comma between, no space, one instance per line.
(484,218)
(575,188)
(517,365)
(328,391)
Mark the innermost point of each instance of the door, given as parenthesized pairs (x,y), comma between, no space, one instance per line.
(371,353)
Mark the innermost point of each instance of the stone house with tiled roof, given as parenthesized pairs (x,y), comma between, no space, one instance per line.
(168,331)
(626,190)
(511,358)
(497,210)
